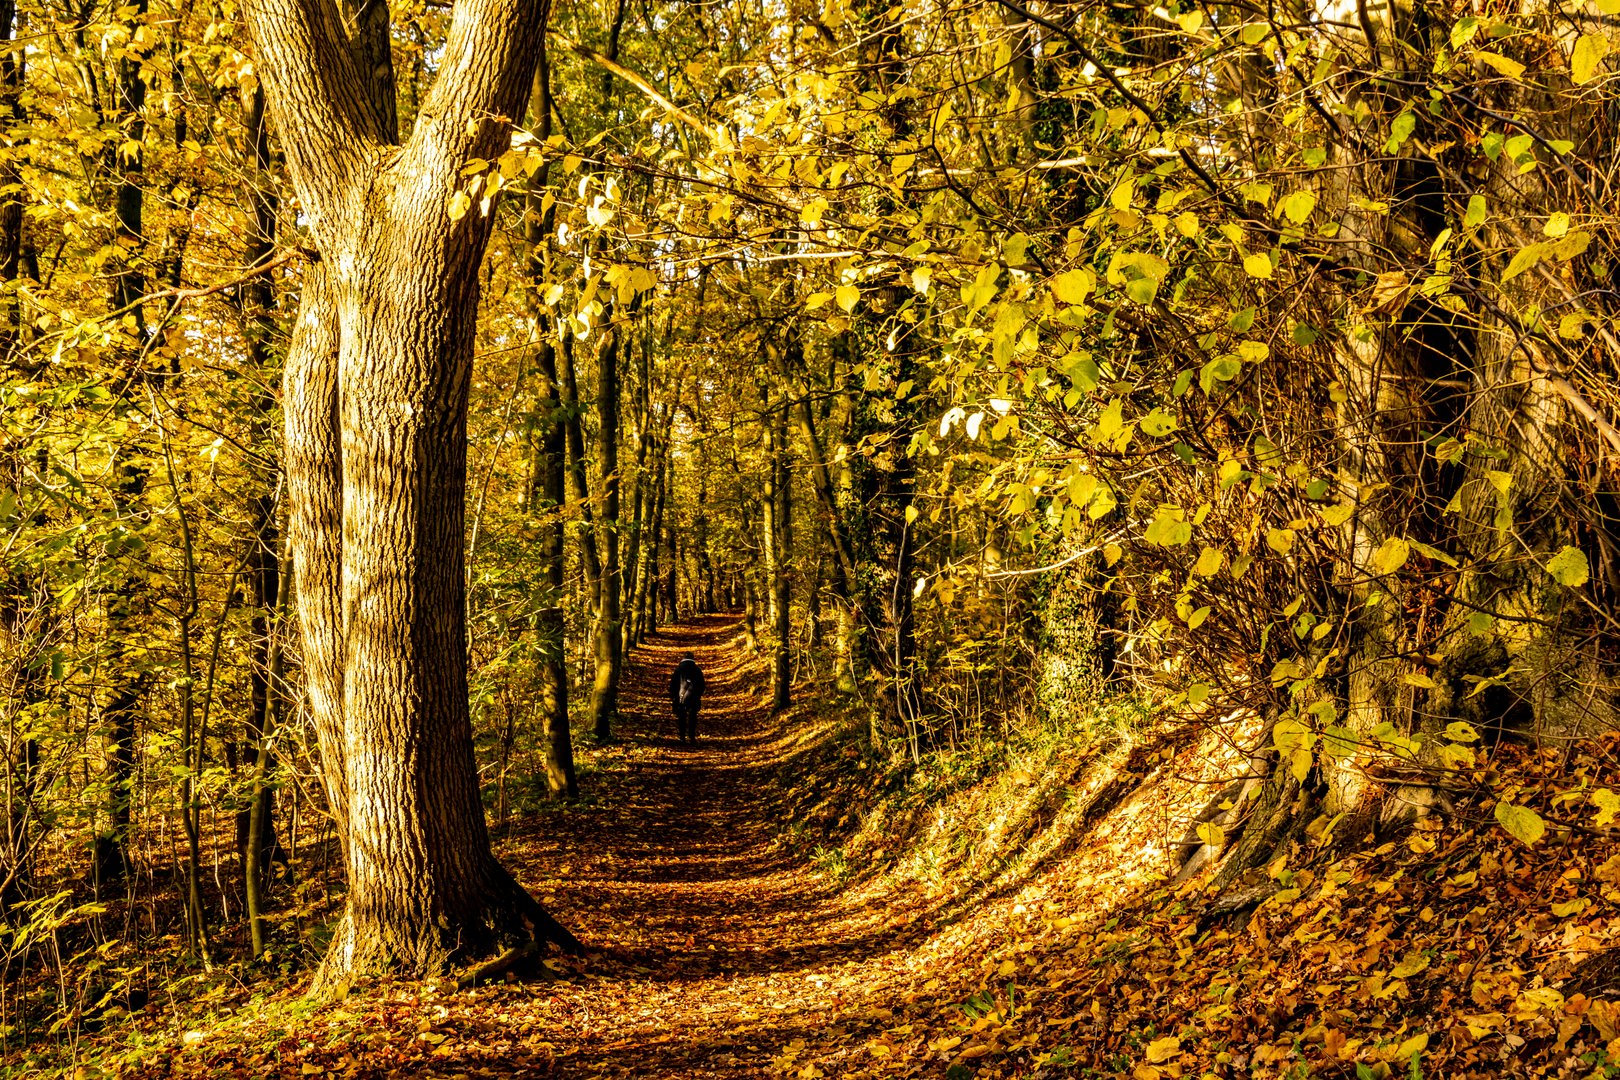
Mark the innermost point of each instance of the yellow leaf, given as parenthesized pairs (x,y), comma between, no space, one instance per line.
(1589,53)
(1540,1000)
(1524,259)
(1414,1045)
(847,297)
(1512,69)
(1410,965)
(1607,803)
(1521,822)
(1121,196)
(1571,907)
(460,203)
(1258,265)
(1073,286)
(1280,540)
(1209,562)
(1391,555)
(1162,1050)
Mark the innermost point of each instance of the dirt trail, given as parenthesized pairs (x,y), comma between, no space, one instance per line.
(716,946)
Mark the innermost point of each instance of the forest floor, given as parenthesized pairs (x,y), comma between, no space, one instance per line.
(714,948)
(777,901)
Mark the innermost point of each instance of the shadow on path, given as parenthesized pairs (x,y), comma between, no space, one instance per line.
(713,946)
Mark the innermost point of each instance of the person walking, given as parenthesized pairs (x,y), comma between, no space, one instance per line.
(685,694)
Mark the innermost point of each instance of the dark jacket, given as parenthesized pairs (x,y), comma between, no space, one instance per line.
(686,685)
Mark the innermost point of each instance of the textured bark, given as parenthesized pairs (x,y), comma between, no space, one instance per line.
(777,536)
(255,824)
(131,600)
(640,510)
(547,492)
(377,449)
(609,645)
(579,488)
(11,203)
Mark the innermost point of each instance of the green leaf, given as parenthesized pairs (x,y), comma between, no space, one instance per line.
(1298,206)
(1142,290)
(1157,423)
(1221,369)
(1475,216)
(1521,822)
(1570,568)
(1338,513)
(1526,257)
(1400,129)
(1196,619)
(1168,528)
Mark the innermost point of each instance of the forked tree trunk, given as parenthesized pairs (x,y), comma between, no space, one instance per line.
(377,440)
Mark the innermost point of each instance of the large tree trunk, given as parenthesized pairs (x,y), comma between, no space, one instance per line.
(383,607)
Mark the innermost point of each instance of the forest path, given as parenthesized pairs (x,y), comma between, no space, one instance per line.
(714,946)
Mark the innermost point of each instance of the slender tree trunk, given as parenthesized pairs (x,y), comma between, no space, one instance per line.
(640,514)
(579,489)
(550,475)
(700,527)
(647,598)
(131,600)
(777,537)
(609,643)
(255,825)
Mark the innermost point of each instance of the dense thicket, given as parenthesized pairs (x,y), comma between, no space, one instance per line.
(1259,362)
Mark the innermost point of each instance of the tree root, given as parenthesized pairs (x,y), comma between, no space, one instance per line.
(518,959)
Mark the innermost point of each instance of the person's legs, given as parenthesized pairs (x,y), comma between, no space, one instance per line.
(684,721)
